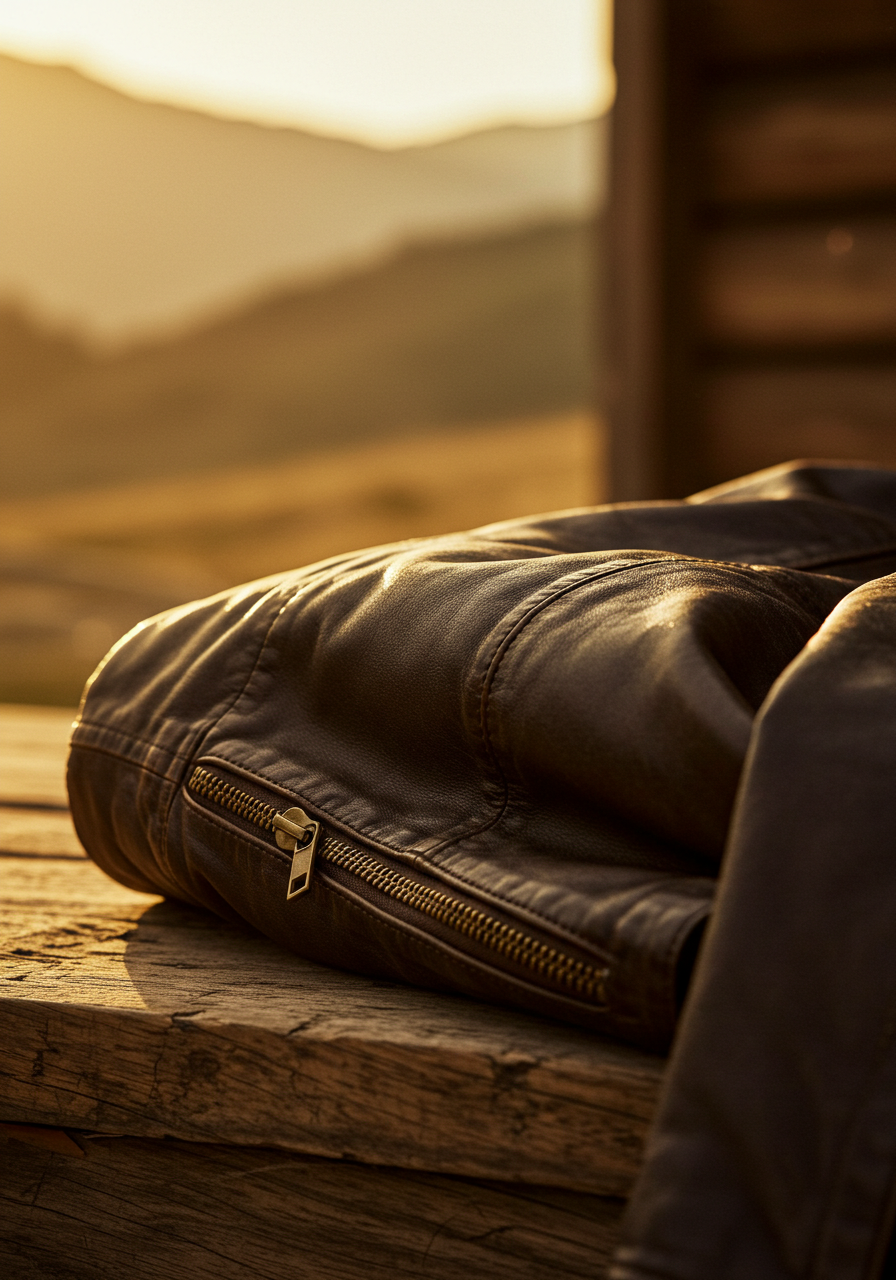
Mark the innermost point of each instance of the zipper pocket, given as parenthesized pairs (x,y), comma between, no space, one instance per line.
(295,832)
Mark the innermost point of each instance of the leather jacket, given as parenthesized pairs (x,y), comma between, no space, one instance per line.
(511,763)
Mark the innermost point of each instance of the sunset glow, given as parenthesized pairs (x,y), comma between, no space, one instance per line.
(390,73)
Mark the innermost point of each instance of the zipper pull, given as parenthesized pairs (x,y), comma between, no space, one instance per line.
(298,834)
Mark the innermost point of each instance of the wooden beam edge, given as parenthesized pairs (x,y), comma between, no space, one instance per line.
(542,1121)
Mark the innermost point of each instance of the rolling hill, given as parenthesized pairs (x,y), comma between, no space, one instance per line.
(226,349)
(77,570)
(124,219)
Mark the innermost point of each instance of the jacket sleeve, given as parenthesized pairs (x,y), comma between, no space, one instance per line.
(774,1151)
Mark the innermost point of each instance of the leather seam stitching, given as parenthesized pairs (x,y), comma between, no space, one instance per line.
(129,737)
(200,735)
(291,793)
(506,642)
(553,926)
(418,938)
(108,751)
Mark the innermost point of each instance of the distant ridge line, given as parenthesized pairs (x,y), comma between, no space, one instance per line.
(124,217)
(442,333)
(225,117)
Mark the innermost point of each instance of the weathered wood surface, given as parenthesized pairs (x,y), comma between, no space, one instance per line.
(810,412)
(807,285)
(124,1014)
(31,833)
(752,196)
(765,30)
(802,138)
(33,747)
(152,1210)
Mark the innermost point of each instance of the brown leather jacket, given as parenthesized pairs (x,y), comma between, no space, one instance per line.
(509,763)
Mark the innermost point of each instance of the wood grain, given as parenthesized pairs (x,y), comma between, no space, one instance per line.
(761,416)
(153,1210)
(126,1015)
(802,138)
(36,833)
(762,30)
(33,747)
(812,284)
(122,1013)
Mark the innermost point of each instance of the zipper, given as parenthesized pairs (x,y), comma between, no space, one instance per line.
(293,830)
(298,834)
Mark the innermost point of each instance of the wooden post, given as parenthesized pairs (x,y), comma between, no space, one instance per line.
(634,314)
(651,294)
(752,239)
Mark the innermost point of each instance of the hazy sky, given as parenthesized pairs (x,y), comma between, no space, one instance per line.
(384,71)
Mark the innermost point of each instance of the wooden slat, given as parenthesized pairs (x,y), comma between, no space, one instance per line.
(758,30)
(155,1211)
(759,417)
(124,1014)
(780,102)
(806,285)
(825,137)
(33,747)
(38,833)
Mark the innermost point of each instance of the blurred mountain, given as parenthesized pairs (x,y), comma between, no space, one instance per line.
(463,331)
(123,218)
(227,348)
(32,356)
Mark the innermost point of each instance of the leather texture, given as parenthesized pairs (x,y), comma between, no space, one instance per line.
(774,1151)
(547,720)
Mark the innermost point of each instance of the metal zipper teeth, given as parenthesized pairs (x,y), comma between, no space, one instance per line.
(565,971)
(229,797)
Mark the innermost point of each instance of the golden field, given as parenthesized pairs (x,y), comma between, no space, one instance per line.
(78,569)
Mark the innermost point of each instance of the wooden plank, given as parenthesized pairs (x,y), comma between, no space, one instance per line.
(758,417)
(759,30)
(33,747)
(121,1013)
(127,1014)
(38,833)
(812,284)
(156,1211)
(47,1139)
(802,138)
